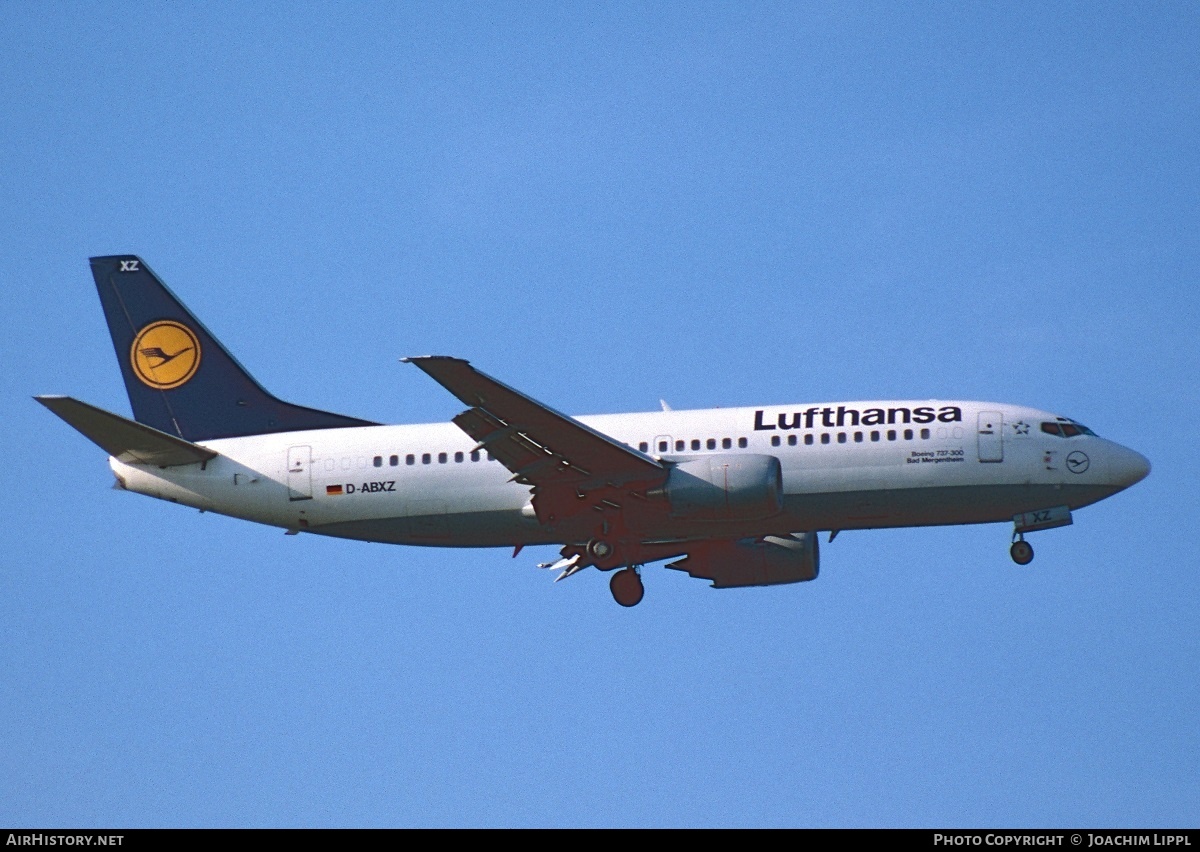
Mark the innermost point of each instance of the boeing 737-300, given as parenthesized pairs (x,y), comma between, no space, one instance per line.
(735,496)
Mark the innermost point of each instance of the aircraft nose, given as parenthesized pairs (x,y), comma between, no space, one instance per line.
(1129,467)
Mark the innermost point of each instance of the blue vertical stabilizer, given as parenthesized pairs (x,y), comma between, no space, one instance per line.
(180,379)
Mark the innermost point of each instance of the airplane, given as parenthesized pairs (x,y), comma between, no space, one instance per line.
(735,496)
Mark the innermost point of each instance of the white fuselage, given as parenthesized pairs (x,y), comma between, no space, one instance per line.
(849,465)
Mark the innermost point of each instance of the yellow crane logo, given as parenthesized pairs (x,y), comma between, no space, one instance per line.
(165,354)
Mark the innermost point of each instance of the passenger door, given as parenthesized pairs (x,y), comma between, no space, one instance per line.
(991,436)
(299,473)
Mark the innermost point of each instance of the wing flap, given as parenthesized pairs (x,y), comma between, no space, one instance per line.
(539,445)
(125,440)
(522,455)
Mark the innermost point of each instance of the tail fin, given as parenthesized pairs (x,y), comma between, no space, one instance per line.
(180,379)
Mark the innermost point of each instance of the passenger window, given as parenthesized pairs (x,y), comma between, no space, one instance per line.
(378,461)
(441,458)
(410,459)
(908,433)
(824,437)
(394,460)
(925,434)
(711,443)
(858,437)
(726,444)
(874,435)
(891,434)
(808,439)
(663,446)
(644,447)
(841,437)
(475,455)
(679,445)
(793,440)
(426,458)
(742,443)
(695,444)
(458,457)
(775,442)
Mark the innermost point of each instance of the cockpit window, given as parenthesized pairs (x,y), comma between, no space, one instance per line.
(1064,428)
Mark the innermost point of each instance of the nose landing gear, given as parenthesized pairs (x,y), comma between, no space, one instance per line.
(1042,519)
(626,586)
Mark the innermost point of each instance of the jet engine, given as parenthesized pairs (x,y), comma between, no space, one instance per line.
(740,487)
(769,561)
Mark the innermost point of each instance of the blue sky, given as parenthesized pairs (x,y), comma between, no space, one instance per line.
(602,205)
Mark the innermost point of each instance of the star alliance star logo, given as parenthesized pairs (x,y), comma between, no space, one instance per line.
(1021,427)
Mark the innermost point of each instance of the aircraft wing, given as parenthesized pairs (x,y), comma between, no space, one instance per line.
(566,461)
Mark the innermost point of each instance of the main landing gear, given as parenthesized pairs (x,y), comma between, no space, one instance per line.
(626,583)
(626,586)
(1021,551)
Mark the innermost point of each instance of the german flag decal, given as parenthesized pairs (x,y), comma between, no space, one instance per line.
(330,490)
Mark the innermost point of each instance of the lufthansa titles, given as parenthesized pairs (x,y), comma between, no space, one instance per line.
(830,417)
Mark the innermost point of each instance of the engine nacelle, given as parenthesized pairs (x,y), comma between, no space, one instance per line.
(741,487)
(771,561)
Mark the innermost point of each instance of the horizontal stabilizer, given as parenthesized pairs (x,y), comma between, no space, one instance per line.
(125,440)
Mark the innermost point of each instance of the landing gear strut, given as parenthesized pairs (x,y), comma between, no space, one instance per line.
(1021,551)
(626,587)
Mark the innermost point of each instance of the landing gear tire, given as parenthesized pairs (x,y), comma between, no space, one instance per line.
(1021,552)
(626,587)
